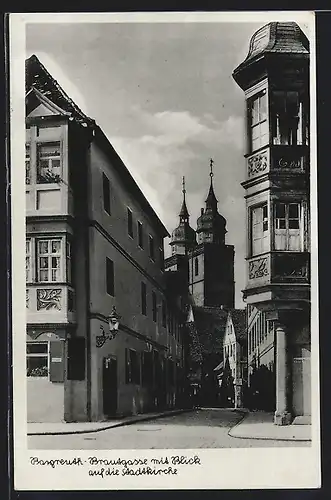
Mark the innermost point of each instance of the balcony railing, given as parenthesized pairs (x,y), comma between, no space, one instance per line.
(287,159)
(278,267)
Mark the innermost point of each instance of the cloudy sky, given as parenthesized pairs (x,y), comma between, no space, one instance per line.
(164,96)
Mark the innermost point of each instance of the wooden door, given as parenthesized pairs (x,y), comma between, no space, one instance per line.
(109,386)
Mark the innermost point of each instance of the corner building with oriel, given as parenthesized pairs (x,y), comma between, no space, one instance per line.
(275,79)
(94,253)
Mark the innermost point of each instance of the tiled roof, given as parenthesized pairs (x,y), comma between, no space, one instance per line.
(210,325)
(239,323)
(278,37)
(37,76)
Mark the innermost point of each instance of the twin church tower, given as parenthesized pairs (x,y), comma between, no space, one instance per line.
(202,255)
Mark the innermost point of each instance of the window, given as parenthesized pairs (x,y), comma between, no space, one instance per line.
(28,260)
(130,223)
(140,234)
(154,307)
(151,247)
(289,123)
(259,229)
(49,260)
(106,193)
(143,299)
(164,314)
(110,277)
(161,254)
(196,266)
(49,168)
(68,257)
(258,121)
(27,164)
(132,374)
(37,359)
(287,227)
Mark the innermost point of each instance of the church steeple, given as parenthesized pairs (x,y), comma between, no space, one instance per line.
(211,201)
(211,224)
(183,214)
(183,237)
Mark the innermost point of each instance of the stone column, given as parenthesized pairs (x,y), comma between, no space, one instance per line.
(282,414)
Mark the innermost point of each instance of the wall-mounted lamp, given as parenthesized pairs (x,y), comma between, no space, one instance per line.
(114,320)
(113,323)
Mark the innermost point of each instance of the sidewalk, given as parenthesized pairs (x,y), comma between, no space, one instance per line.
(259,425)
(56,428)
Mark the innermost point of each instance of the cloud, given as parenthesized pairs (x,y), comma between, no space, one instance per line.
(169,144)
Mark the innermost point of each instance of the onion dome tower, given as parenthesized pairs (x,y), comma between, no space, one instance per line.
(211,225)
(183,238)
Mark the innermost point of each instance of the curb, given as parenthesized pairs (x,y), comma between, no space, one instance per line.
(133,420)
(263,438)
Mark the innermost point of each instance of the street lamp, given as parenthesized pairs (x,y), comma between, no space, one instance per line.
(114,320)
(113,323)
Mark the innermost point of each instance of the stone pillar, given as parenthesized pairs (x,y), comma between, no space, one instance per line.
(282,414)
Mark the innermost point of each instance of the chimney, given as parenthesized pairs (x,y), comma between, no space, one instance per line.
(202,211)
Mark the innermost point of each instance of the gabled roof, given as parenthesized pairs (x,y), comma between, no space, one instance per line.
(37,77)
(40,83)
(239,321)
(210,323)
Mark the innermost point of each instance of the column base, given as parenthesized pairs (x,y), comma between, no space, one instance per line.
(282,418)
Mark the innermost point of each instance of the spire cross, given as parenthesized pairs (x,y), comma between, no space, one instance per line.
(211,168)
(183,183)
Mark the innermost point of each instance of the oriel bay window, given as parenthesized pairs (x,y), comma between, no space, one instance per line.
(287,230)
(289,118)
(259,230)
(258,127)
(49,260)
(49,164)
(52,260)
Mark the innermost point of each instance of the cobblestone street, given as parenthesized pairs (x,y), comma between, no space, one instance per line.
(204,428)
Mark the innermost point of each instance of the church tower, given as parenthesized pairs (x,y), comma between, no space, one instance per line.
(183,237)
(211,262)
